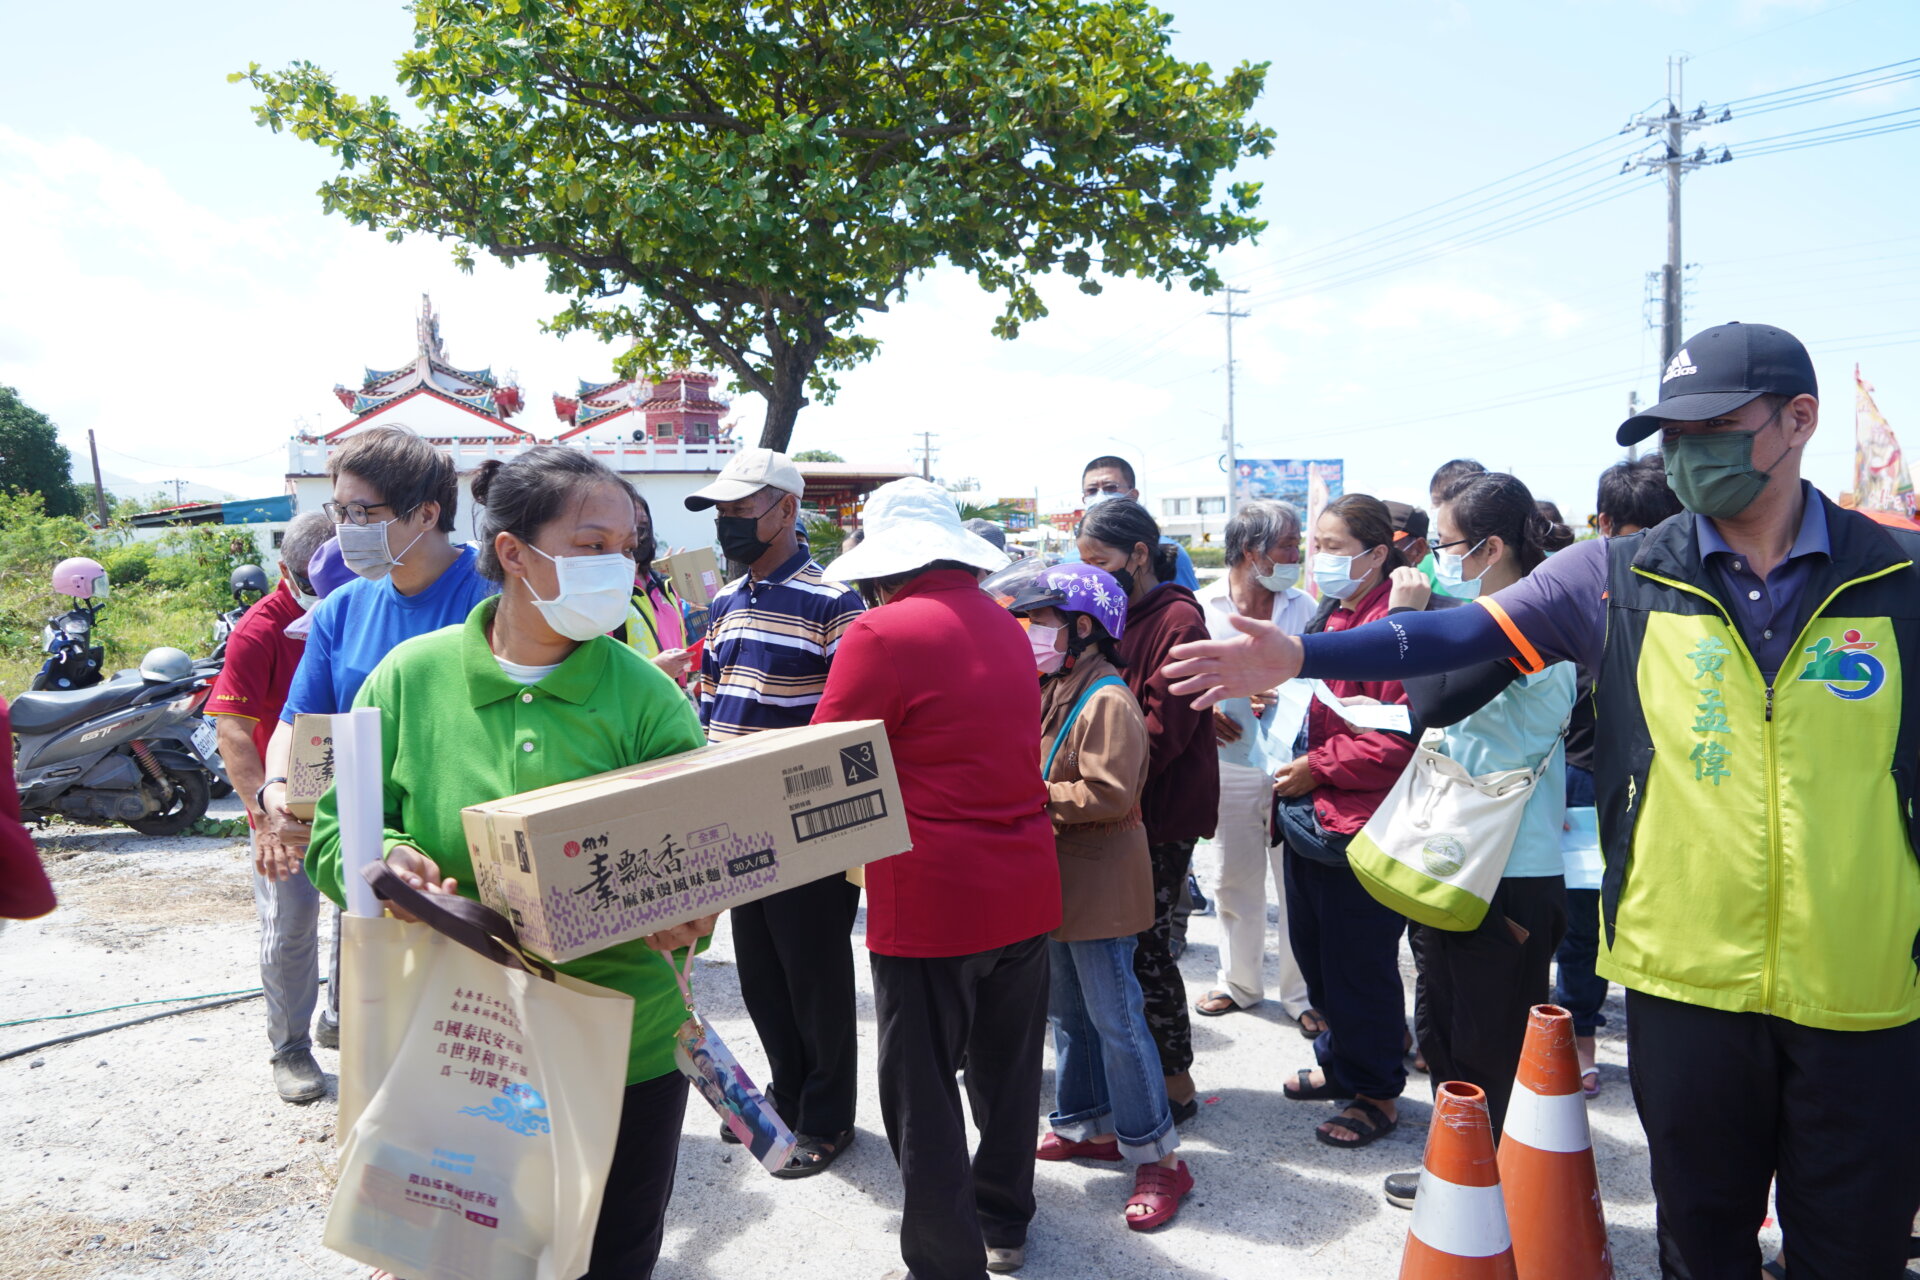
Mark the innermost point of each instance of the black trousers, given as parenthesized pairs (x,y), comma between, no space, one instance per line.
(633,1212)
(1473,990)
(1154,965)
(795,952)
(1730,1101)
(1348,946)
(989,1011)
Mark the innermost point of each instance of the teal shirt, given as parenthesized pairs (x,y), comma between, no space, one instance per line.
(1515,731)
(455,731)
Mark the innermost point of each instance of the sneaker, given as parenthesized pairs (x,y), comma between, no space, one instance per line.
(1011,1258)
(1401,1189)
(298,1078)
(326,1033)
(1196,899)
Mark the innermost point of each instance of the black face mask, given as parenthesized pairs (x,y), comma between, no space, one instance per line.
(740,538)
(1125,578)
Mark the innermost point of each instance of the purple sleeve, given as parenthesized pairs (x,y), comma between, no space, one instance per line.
(1561,607)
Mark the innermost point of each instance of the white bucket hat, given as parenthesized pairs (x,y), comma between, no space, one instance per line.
(910,524)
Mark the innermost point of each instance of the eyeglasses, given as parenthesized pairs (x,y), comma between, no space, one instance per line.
(350,512)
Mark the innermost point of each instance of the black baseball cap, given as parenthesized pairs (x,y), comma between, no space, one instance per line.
(1720,369)
(1407,519)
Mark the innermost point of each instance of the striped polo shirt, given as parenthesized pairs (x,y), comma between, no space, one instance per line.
(768,647)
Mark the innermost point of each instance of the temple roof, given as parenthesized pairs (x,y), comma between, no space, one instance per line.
(430,374)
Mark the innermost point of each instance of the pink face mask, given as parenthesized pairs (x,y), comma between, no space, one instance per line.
(1047,658)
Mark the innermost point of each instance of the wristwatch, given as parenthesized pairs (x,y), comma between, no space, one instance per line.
(260,796)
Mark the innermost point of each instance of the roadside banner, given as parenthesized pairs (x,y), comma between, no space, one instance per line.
(1881,481)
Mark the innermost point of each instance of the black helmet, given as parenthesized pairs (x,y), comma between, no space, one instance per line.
(248,580)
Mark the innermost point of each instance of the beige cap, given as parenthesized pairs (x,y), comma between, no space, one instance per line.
(750,471)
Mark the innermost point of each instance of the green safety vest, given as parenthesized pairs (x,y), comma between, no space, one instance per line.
(1760,841)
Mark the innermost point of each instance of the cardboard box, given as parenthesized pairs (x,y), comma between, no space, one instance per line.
(310,766)
(584,865)
(695,575)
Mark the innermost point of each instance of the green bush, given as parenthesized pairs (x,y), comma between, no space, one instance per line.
(163,593)
(1207,555)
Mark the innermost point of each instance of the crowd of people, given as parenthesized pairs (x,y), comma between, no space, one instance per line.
(1065,737)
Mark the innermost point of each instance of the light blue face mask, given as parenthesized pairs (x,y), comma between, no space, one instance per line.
(1332,574)
(1087,504)
(1448,570)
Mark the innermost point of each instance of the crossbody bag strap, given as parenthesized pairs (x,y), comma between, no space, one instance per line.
(1073,715)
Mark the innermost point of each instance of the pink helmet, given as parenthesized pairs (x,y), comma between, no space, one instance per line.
(80,578)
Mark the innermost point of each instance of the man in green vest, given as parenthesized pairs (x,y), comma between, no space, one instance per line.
(1757,747)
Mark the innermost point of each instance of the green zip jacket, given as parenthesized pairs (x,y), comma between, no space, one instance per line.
(455,731)
(1760,841)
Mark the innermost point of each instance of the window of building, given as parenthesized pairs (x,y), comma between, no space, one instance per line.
(1173,506)
(1213,506)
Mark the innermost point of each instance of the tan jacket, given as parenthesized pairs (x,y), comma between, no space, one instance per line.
(1093,796)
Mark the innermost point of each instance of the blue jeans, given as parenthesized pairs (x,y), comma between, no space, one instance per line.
(1106,1070)
(1578,989)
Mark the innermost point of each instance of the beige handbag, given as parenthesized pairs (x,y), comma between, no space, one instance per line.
(480,1094)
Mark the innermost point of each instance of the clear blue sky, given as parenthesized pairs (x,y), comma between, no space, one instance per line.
(170,282)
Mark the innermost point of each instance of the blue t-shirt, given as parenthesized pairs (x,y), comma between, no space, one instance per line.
(360,624)
(1515,731)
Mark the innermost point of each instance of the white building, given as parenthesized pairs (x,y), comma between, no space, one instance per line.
(666,438)
(1196,517)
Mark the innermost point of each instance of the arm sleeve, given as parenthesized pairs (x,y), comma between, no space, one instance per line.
(312,689)
(1438,701)
(1111,747)
(862,683)
(1406,644)
(1172,721)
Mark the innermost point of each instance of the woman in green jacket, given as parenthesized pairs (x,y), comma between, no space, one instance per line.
(530,692)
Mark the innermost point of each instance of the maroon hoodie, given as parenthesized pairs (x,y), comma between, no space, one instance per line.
(1182,796)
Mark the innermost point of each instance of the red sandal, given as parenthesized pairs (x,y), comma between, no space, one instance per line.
(1055,1147)
(1159,1189)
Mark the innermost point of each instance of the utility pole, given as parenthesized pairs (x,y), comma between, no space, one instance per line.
(1233,462)
(176,489)
(1675,126)
(1633,411)
(99,490)
(926,454)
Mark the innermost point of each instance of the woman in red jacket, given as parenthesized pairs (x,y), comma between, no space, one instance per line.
(1181,802)
(956,926)
(1347,943)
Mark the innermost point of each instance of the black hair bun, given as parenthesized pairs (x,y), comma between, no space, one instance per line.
(483,479)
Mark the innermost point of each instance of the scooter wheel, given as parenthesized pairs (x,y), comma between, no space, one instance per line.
(190,798)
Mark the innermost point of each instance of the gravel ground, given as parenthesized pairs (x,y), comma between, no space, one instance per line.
(161,1150)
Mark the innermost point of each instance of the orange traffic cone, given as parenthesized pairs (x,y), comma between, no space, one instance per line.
(1459,1227)
(1546,1160)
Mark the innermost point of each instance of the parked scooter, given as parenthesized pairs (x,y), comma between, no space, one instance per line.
(133,749)
(73,660)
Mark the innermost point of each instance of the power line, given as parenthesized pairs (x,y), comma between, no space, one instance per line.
(1814,84)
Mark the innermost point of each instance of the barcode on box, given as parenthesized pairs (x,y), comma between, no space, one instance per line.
(798,784)
(841,815)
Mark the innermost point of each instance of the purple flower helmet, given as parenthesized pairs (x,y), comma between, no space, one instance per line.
(1076,588)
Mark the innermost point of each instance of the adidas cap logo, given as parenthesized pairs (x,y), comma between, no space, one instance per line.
(1679,367)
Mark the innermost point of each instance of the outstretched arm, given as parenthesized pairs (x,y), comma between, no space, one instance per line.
(1394,648)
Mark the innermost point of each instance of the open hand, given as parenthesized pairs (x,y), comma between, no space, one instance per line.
(1259,658)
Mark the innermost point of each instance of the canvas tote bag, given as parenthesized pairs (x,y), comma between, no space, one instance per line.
(1437,846)
(480,1094)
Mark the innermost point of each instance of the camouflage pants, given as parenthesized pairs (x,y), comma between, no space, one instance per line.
(1154,965)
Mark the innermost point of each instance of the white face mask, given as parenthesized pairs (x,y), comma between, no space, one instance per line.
(306,598)
(592,594)
(1043,639)
(1333,574)
(1449,571)
(1283,577)
(365,550)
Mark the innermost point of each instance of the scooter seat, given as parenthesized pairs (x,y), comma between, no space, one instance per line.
(50,709)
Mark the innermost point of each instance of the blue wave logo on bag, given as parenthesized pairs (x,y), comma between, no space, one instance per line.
(517,1107)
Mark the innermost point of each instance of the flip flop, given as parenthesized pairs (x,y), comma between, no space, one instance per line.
(1304,1090)
(1311,1033)
(813,1155)
(1159,1189)
(1590,1083)
(1200,1005)
(1055,1147)
(1365,1134)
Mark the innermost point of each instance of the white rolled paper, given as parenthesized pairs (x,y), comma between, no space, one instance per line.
(358,797)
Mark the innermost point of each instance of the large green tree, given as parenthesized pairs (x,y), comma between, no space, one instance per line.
(32,459)
(747,181)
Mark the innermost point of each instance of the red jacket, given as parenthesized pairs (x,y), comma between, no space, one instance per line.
(1355,769)
(951,674)
(1182,796)
(24,889)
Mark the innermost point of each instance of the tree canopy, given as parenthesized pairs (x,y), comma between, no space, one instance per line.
(747,182)
(817,455)
(32,459)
